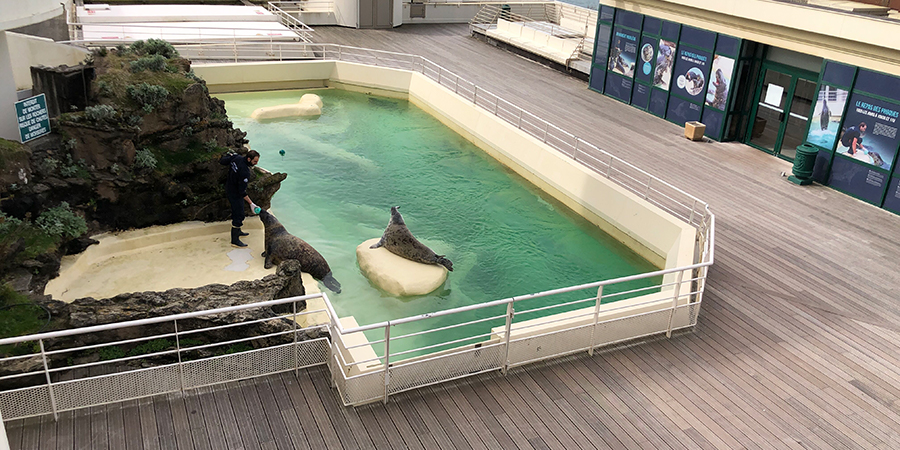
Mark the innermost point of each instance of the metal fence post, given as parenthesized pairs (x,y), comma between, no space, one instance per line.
(575,152)
(178,350)
(49,383)
(674,302)
(609,166)
(387,359)
(596,318)
(475,97)
(546,127)
(510,312)
(296,347)
(647,192)
(456,87)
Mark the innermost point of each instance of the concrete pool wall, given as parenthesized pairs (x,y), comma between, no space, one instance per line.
(648,230)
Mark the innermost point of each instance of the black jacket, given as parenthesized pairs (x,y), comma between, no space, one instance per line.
(238,175)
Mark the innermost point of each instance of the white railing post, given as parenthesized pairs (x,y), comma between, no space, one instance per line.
(440,69)
(510,312)
(575,152)
(387,359)
(518,122)
(596,318)
(296,347)
(49,383)
(693,207)
(609,166)
(178,352)
(456,87)
(647,191)
(475,97)
(674,303)
(546,127)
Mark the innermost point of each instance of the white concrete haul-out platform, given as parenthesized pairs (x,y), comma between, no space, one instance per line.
(100,23)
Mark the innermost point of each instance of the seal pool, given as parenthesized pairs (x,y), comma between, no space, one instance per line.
(364,154)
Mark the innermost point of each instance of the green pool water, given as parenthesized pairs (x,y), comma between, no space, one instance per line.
(365,154)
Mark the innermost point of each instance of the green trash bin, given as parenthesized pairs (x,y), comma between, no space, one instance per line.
(804,163)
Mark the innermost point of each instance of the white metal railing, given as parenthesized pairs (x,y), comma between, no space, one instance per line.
(77,368)
(618,312)
(290,21)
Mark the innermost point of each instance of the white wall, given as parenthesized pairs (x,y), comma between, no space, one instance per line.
(9,126)
(18,13)
(29,51)
(347,13)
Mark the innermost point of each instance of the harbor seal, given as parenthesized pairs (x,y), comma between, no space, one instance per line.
(398,240)
(283,246)
(826,115)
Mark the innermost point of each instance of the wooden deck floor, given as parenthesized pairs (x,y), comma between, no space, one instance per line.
(796,346)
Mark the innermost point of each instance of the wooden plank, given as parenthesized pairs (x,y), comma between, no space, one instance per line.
(455,415)
(311,423)
(180,421)
(243,421)
(340,415)
(83,428)
(14,432)
(288,414)
(65,430)
(196,416)
(48,432)
(329,432)
(149,430)
(272,413)
(231,426)
(204,401)
(115,422)
(31,432)
(165,423)
(131,424)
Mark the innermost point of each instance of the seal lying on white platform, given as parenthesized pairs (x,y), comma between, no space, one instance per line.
(399,241)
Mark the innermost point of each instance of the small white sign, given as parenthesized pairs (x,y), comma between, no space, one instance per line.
(773,95)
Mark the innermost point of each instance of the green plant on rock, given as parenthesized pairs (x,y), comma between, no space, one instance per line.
(103,88)
(144,159)
(47,165)
(153,63)
(147,96)
(110,353)
(61,221)
(100,114)
(154,47)
(134,120)
(71,168)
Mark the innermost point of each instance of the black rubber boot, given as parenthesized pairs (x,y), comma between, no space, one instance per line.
(241,233)
(235,237)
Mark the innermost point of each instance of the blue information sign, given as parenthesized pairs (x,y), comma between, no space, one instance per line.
(34,121)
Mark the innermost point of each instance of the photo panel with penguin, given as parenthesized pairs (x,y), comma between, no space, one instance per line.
(646,59)
(719,82)
(623,52)
(869,131)
(665,60)
(691,70)
(826,117)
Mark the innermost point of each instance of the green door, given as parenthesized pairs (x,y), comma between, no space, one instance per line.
(784,98)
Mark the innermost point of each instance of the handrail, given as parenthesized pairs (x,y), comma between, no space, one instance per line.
(154,320)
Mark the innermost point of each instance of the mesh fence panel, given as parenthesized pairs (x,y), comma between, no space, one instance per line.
(407,376)
(113,388)
(631,327)
(25,402)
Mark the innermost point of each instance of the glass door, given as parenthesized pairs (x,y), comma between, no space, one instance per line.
(780,115)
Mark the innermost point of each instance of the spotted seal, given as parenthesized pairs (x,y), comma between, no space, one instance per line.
(283,246)
(398,240)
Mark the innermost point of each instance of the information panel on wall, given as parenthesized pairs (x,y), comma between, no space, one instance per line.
(33,119)
(827,115)
(870,131)
(691,69)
